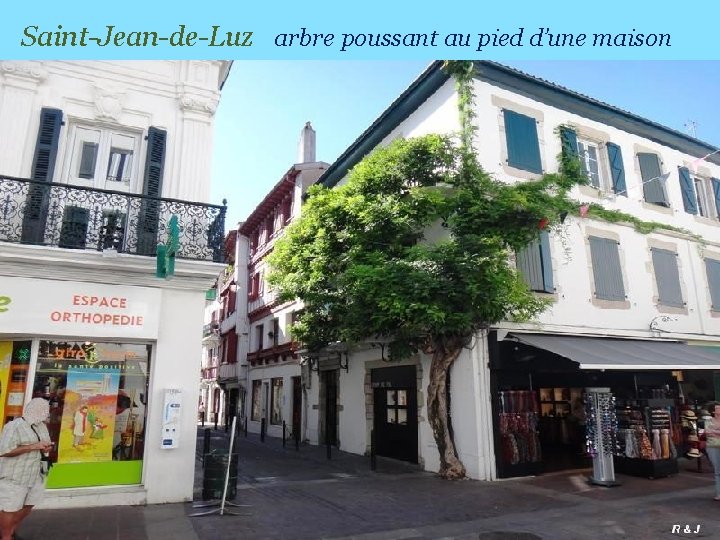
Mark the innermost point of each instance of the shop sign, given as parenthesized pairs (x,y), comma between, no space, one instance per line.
(71,308)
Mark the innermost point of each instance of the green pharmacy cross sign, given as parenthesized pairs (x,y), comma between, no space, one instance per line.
(166,252)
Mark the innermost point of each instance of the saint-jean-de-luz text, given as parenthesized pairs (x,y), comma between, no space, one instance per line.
(111,36)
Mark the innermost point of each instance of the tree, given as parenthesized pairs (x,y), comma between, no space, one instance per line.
(367,261)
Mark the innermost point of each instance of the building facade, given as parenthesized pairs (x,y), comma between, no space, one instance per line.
(100,163)
(634,311)
(277,388)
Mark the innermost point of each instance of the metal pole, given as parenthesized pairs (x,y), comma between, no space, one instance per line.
(246,426)
(283,433)
(262,430)
(227,470)
(373,457)
(297,441)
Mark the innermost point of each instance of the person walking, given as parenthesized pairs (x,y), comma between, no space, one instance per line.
(24,445)
(201,412)
(712,442)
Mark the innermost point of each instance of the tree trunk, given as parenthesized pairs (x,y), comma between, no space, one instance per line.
(438,414)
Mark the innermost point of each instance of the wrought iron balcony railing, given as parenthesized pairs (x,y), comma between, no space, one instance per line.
(67,216)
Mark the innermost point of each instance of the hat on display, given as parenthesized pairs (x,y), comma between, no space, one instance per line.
(694,453)
(692,438)
(689,414)
(704,412)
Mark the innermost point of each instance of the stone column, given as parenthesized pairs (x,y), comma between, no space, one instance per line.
(19,115)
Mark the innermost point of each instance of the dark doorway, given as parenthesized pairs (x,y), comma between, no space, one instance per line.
(331,416)
(297,407)
(395,412)
(232,404)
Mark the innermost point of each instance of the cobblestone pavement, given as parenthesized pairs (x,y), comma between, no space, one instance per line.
(302,495)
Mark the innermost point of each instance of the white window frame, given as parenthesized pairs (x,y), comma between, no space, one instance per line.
(77,135)
(604,183)
(703,197)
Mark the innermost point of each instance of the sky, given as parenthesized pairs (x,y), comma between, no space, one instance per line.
(265,104)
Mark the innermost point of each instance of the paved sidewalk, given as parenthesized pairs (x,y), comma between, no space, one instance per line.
(301,495)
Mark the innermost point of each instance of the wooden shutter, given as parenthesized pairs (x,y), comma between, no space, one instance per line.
(716,192)
(43,169)
(617,169)
(606,269)
(650,172)
(546,262)
(530,266)
(568,138)
(535,265)
(712,268)
(149,218)
(667,277)
(522,142)
(688,191)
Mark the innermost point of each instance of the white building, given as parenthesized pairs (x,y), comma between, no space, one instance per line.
(95,159)
(657,294)
(277,391)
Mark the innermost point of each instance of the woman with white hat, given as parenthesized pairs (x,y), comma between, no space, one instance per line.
(712,434)
(23,444)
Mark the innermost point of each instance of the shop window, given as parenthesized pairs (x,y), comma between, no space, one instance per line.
(523,147)
(14,366)
(652,179)
(607,271)
(712,268)
(535,265)
(276,401)
(256,412)
(98,395)
(667,277)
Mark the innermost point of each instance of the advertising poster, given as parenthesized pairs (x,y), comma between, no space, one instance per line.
(88,420)
(6,348)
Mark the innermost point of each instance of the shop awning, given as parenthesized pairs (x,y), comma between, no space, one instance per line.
(609,353)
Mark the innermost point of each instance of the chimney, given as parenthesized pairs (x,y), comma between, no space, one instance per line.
(306,146)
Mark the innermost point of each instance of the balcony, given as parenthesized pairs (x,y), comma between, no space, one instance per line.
(234,371)
(210,329)
(75,217)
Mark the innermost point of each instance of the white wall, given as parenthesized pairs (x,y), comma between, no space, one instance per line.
(174,365)
(178,96)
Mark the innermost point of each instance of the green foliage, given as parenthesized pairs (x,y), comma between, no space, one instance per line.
(641,226)
(360,260)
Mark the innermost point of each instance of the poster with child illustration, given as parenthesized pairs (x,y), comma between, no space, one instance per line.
(88,414)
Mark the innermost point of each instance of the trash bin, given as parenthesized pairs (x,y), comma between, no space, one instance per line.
(214,476)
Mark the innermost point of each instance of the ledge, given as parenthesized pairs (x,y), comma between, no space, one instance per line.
(94,496)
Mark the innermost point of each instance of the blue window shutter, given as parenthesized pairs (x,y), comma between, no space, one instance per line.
(43,169)
(617,169)
(148,222)
(568,138)
(535,264)
(606,269)
(713,276)
(667,277)
(650,172)
(688,191)
(716,191)
(546,260)
(529,264)
(522,142)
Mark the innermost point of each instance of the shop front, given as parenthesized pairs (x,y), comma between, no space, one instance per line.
(541,418)
(91,350)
